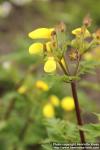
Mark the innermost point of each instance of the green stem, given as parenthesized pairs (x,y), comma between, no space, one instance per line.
(77,67)
(9,109)
(63,68)
(66,65)
(24,129)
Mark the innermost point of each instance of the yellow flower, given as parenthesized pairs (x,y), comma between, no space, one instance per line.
(22,89)
(78,32)
(67,103)
(50,65)
(42,85)
(88,56)
(36,48)
(48,111)
(54,100)
(41,33)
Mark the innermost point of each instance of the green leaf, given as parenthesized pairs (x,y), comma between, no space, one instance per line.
(87,67)
(61,131)
(69,78)
(98,115)
(92,131)
(3,124)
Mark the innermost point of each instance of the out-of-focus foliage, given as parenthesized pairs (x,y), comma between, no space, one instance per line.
(23,100)
(60,131)
(23,125)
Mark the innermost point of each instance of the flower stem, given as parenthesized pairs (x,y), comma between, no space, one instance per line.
(79,119)
(9,109)
(64,70)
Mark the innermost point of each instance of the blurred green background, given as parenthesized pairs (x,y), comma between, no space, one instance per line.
(17,68)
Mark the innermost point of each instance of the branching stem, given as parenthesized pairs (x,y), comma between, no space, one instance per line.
(63,68)
(77,108)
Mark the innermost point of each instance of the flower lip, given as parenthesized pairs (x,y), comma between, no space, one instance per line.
(48,111)
(67,103)
(50,65)
(78,32)
(36,48)
(41,33)
(42,85)
(54,100)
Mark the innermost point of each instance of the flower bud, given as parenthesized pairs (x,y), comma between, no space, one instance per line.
(98,34)
(87,21)
(62,27)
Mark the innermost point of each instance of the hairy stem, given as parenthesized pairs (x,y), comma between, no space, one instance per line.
(78,114)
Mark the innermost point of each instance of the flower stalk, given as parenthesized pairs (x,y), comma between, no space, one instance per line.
(77,108)
(9,109)
(76,102)
(78,113)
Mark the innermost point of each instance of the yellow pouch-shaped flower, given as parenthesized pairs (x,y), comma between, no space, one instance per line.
(78,32)
(67,103)
(36,48)
(50,65)
(42,85)
(54,100)
(22,89)
(48,111)
(41,33)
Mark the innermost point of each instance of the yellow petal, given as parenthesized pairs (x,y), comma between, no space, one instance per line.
(48,111)
(50,65)
(36,48)
(67,103)
(40,33)
(78,32)
(42,85)
(22,89)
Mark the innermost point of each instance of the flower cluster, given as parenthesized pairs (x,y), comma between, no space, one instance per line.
(49,49)
(67,104)
(53,44)
(42,85)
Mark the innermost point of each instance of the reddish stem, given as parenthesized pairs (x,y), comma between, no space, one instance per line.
(78,114)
